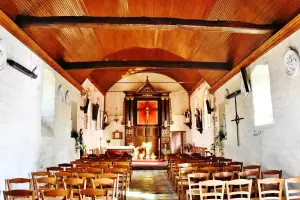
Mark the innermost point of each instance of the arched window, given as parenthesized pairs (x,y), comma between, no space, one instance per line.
(48,104)
(261,91)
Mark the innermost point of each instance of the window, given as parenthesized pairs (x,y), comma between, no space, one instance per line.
(262,101)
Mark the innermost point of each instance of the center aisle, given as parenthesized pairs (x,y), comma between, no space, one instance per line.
(150,184)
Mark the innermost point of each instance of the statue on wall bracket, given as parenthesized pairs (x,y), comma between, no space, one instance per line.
(199,124)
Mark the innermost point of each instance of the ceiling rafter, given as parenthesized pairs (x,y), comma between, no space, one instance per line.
(25,21)
(188,65)
(10,26)
(282,34)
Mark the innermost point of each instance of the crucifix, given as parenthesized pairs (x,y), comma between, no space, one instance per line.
(237,117)
(147,109)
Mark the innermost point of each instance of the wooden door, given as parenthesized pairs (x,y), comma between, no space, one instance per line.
(176,142)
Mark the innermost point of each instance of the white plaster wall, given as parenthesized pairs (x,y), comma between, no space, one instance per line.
(197,100)
(91,135)
(274,146)
(23,149)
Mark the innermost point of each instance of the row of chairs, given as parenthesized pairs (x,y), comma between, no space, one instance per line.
(80,174)
(87,194)
(240,189)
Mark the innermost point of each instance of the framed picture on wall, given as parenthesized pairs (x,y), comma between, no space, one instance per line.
(117,135)
(165,140)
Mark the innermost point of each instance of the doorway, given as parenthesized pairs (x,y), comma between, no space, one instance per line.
(178,140)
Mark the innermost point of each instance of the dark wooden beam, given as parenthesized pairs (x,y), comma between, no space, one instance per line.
(144,22)
(11,27)
(286,31)
(188,65)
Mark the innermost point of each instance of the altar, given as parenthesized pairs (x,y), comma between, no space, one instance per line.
(119,150)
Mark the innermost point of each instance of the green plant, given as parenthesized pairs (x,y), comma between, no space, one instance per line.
(218,145)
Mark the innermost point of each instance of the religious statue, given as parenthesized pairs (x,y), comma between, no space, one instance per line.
(105,120)
(198,117)
(81,143)
(187,116)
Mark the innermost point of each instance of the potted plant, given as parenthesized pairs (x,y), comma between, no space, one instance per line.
(108,142)
(218,144)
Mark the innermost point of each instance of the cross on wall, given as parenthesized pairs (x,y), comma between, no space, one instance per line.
(237,118)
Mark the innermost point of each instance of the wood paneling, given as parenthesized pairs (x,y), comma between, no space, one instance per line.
(95,44)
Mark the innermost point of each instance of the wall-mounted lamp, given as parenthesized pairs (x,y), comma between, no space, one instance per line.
(22,69)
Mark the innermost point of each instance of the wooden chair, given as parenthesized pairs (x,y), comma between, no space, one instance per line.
(63,194)
(183,183)
(252,168)
(75,171)
(94,194)
(107,184)
(87,176)
(269,194)
(193,181)
(232,169)
(40,174)
(95,171)
(223,176)
(236,163)
(65,166)
(271,174)
(254,176)
(9,183)
(294,191)
(239,194)
(44,183)
(17,194)
(53,170)
(74,184)
(214,193)
(60,177)
(123,183)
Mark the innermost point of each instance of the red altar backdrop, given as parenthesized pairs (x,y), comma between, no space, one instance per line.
(147,108)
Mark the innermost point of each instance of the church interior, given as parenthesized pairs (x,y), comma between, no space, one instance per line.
(157,99)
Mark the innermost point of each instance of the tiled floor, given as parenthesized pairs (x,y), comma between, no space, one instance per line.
(150,184)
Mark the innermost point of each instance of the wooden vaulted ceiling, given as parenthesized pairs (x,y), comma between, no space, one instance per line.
(82,44)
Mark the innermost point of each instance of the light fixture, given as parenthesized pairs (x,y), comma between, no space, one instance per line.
(116,116)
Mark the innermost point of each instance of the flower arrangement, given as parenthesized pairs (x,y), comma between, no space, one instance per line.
(166,151)
(108,141)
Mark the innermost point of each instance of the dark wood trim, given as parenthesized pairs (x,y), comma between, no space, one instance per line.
(144,22)
(11,27)
(282,34)
(188,65)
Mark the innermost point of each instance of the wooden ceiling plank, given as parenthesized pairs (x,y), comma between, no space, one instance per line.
(97,85)
(282,34)
(11,27)
(197,85)
(144,22)
(188,65)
